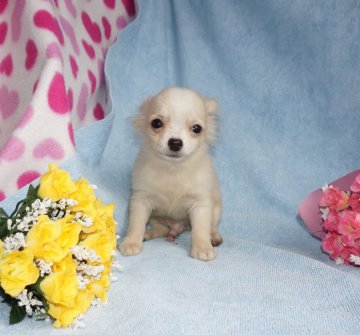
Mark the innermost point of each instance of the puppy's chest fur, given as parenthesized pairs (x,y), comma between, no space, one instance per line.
(172,193)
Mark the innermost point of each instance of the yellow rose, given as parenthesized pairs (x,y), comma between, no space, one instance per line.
(69,234)
(100,287)
(85,196)
(61,287)
(52,240)
(18,270)
(56,184)
(41,239)
(67,266)
(103,243)
(65,316)
(103,219)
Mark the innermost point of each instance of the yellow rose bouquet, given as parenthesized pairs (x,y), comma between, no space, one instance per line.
(56,250)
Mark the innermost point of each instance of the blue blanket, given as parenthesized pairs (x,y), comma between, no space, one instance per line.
(287,77)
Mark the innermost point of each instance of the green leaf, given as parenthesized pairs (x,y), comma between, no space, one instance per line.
(6,298)
(17,207)
(32,193)
(3,228)
(3,214)
(17,313)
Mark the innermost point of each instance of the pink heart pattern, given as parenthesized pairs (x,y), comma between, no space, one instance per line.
(89,49)
(9,102)
(31,54)
(26,178)
(52,56)
(107,27)
(43,19)
(49,147)
(91,27)
(6,65)
(92,81)
(74,66)
(13,149)
(3,31)
(57,97)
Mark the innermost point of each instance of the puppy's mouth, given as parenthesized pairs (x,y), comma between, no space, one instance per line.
(174,155)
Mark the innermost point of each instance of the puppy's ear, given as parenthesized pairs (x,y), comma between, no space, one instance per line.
(139,121)
(212,109)
(212,106)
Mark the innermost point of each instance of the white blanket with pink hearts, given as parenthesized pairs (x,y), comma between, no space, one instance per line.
(51,79)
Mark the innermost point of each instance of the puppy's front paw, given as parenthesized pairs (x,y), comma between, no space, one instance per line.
(203,253)
(129,248)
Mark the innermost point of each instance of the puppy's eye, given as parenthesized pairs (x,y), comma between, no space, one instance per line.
(196,129)
(157,123)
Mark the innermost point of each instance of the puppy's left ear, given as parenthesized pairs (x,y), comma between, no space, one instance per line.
(212,106)
(139,120)
(212,109)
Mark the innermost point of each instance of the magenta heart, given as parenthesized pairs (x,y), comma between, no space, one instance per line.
(92,81)
(110,3)
(57,97)
(98,112)
(3,31)
(129,7)
(31,54)
(89,49)
(6,65)
(3,4)
(74,66)
(9,102)
(107,27)
(49,147)
(91,27)
(43,19)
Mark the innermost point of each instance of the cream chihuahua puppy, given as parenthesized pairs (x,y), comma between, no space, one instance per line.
(174,184)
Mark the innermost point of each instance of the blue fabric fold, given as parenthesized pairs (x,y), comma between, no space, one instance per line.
(286,75)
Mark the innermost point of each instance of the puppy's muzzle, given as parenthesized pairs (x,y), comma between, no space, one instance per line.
(175,144)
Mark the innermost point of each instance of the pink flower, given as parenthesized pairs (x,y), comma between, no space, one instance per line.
(334,198)
(333,245)
(354,201)
(349,226)
(332,221)
(355,187)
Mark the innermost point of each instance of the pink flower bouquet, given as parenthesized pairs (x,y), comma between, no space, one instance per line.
(341,223)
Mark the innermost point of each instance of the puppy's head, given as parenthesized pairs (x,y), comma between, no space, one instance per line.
(177,122)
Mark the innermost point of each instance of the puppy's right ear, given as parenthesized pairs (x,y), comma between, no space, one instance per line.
(139,121)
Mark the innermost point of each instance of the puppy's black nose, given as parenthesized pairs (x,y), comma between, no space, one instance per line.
(175,144)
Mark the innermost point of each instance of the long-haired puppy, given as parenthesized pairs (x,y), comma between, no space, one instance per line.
(174,184)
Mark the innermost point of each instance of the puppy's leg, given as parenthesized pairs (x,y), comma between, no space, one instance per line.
(138,216)
(216,238)
(157,230)
(201,220)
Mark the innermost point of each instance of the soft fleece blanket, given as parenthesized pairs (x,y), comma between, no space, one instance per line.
(286,74)
(52,57)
